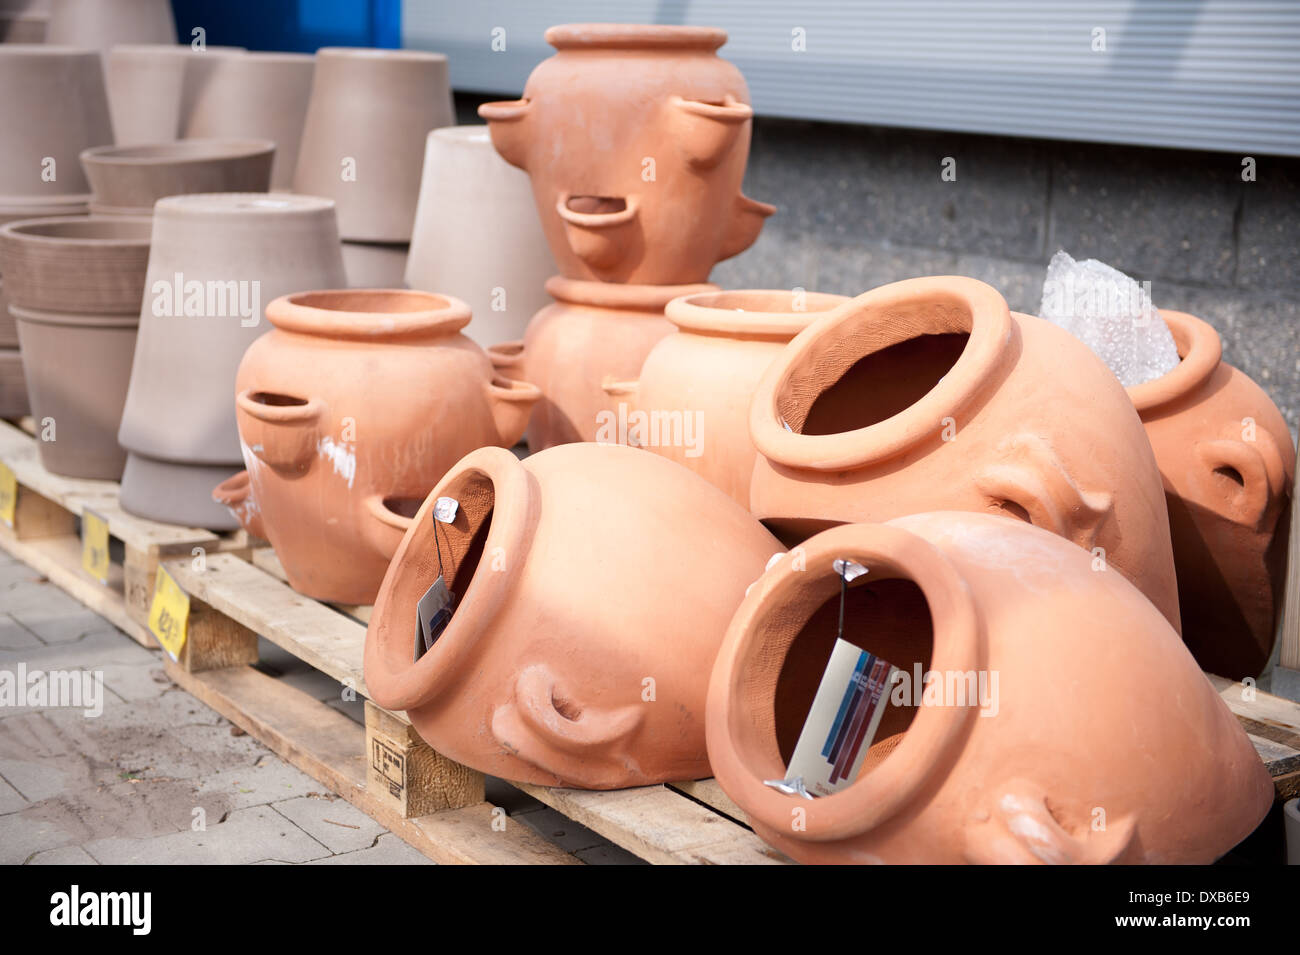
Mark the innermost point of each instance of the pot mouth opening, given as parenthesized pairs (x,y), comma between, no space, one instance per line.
(83,230)
(634,36)
(881,374)
(180,152)
(478,554)
(1200,351)
(369,314)
(911,610)
(775,313)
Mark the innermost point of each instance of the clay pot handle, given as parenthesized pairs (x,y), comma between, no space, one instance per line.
(508,358)
(512,403)
(509,133)
(383,527)
(619,389)
(541,711)
(280,430)
(1242,485)
(236,493)
(706,132)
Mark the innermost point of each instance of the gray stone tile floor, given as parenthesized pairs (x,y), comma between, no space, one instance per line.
(158,777)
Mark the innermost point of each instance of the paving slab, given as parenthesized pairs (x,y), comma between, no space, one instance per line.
(332,821)
(246,836)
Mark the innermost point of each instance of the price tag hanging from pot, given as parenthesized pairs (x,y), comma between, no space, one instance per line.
(434,610)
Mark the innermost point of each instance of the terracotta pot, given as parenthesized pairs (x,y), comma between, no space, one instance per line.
(23,27)
(593,334)
(563,663)
(1060,691)
(128,180)
(375,264)
(628,133)
(256,96)
(243,250)
(1228,464)
(153,88)
(929,394)
(53,107)
(349,411)
(691,402)
(477,235)
(103,24)
(74,286)
(369,114)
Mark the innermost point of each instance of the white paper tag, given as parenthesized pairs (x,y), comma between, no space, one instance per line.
(842,722)
(431,616)
(444,509)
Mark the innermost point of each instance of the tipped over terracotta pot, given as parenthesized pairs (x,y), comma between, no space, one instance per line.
(930,394)
(635,138)
(1062,720)
(596,332)
(691,401)
(593,584)
(349,412)
(128,180)
(1228,464)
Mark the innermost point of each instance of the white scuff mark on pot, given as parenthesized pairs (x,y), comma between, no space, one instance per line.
(342,456)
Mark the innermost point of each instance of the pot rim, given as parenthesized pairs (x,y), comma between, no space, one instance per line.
(744,756)
(174,49)
(37,49)
(1200,350)
(710,312)
(617,295)
(17,231)
(409,684)
(242,203)
(351,314)
(181,152)
(380,55)
(966,304)
(467,134)
(635,36)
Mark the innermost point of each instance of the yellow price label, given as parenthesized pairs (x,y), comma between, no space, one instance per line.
(94,545)
(169,614)
(8,494)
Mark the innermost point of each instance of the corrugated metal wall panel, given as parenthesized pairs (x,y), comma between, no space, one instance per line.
(1201,74)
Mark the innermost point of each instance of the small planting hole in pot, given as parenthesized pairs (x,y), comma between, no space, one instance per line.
(1232,474)
(276,400)
(1012,509)
(886,617)
(596,205)
(883,383)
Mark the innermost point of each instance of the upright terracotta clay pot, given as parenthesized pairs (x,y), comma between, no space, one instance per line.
(1057,691)
(691,402)
(103,24)
(215,261)
(477,235)
(635,139)
(363,138)
(1227,461)
(74,285)
(52,108)
(128,180)
(596,332)
(930,394)
(256,96)
(349,412)
(593,584)
(153,88)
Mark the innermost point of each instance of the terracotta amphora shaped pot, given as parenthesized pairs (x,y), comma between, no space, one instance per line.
(128,180)
(477,235)
(153,88)
(256,96)
(635,138)
(1227,461)
(1056,691)
(929,394)
(691,402)
(349,412)
(74,285)
(586,617)
(103,24)
(216,260)
(52,108)
(363,138)
(595,333)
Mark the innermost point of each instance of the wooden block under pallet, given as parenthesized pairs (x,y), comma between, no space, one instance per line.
(410,775)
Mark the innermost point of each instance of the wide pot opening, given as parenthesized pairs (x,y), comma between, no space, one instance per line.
(369,314)
(778,314)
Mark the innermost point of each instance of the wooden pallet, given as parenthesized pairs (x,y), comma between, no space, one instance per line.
(45,535)
(386,769)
